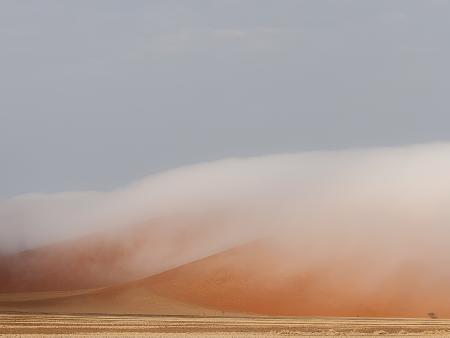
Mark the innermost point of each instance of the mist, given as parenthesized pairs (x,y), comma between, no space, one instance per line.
(391,193)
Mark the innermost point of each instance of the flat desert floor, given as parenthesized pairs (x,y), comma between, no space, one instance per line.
(59,325)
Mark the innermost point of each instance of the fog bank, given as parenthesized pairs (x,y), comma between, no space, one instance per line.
(395,196)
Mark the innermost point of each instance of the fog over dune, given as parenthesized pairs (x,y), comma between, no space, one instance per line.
(393,198)
(370,223)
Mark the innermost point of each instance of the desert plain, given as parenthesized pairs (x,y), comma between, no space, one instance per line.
(98,325)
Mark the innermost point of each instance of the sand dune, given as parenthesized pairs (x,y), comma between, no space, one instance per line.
(112,257)
(257,278)
(263,278)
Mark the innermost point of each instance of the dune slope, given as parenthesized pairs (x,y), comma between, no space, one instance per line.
(267,278)
(263,278)
(114,256)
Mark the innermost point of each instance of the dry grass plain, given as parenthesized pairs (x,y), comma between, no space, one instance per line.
(79,325)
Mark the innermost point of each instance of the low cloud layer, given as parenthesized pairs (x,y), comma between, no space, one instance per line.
(392,194)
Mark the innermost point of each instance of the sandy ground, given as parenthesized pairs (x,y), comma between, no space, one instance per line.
(114,300)
(52,325)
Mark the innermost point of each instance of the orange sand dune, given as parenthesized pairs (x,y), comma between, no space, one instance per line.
(112,257)
(263,278)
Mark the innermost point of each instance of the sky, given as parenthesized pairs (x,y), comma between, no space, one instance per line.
(96,94)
